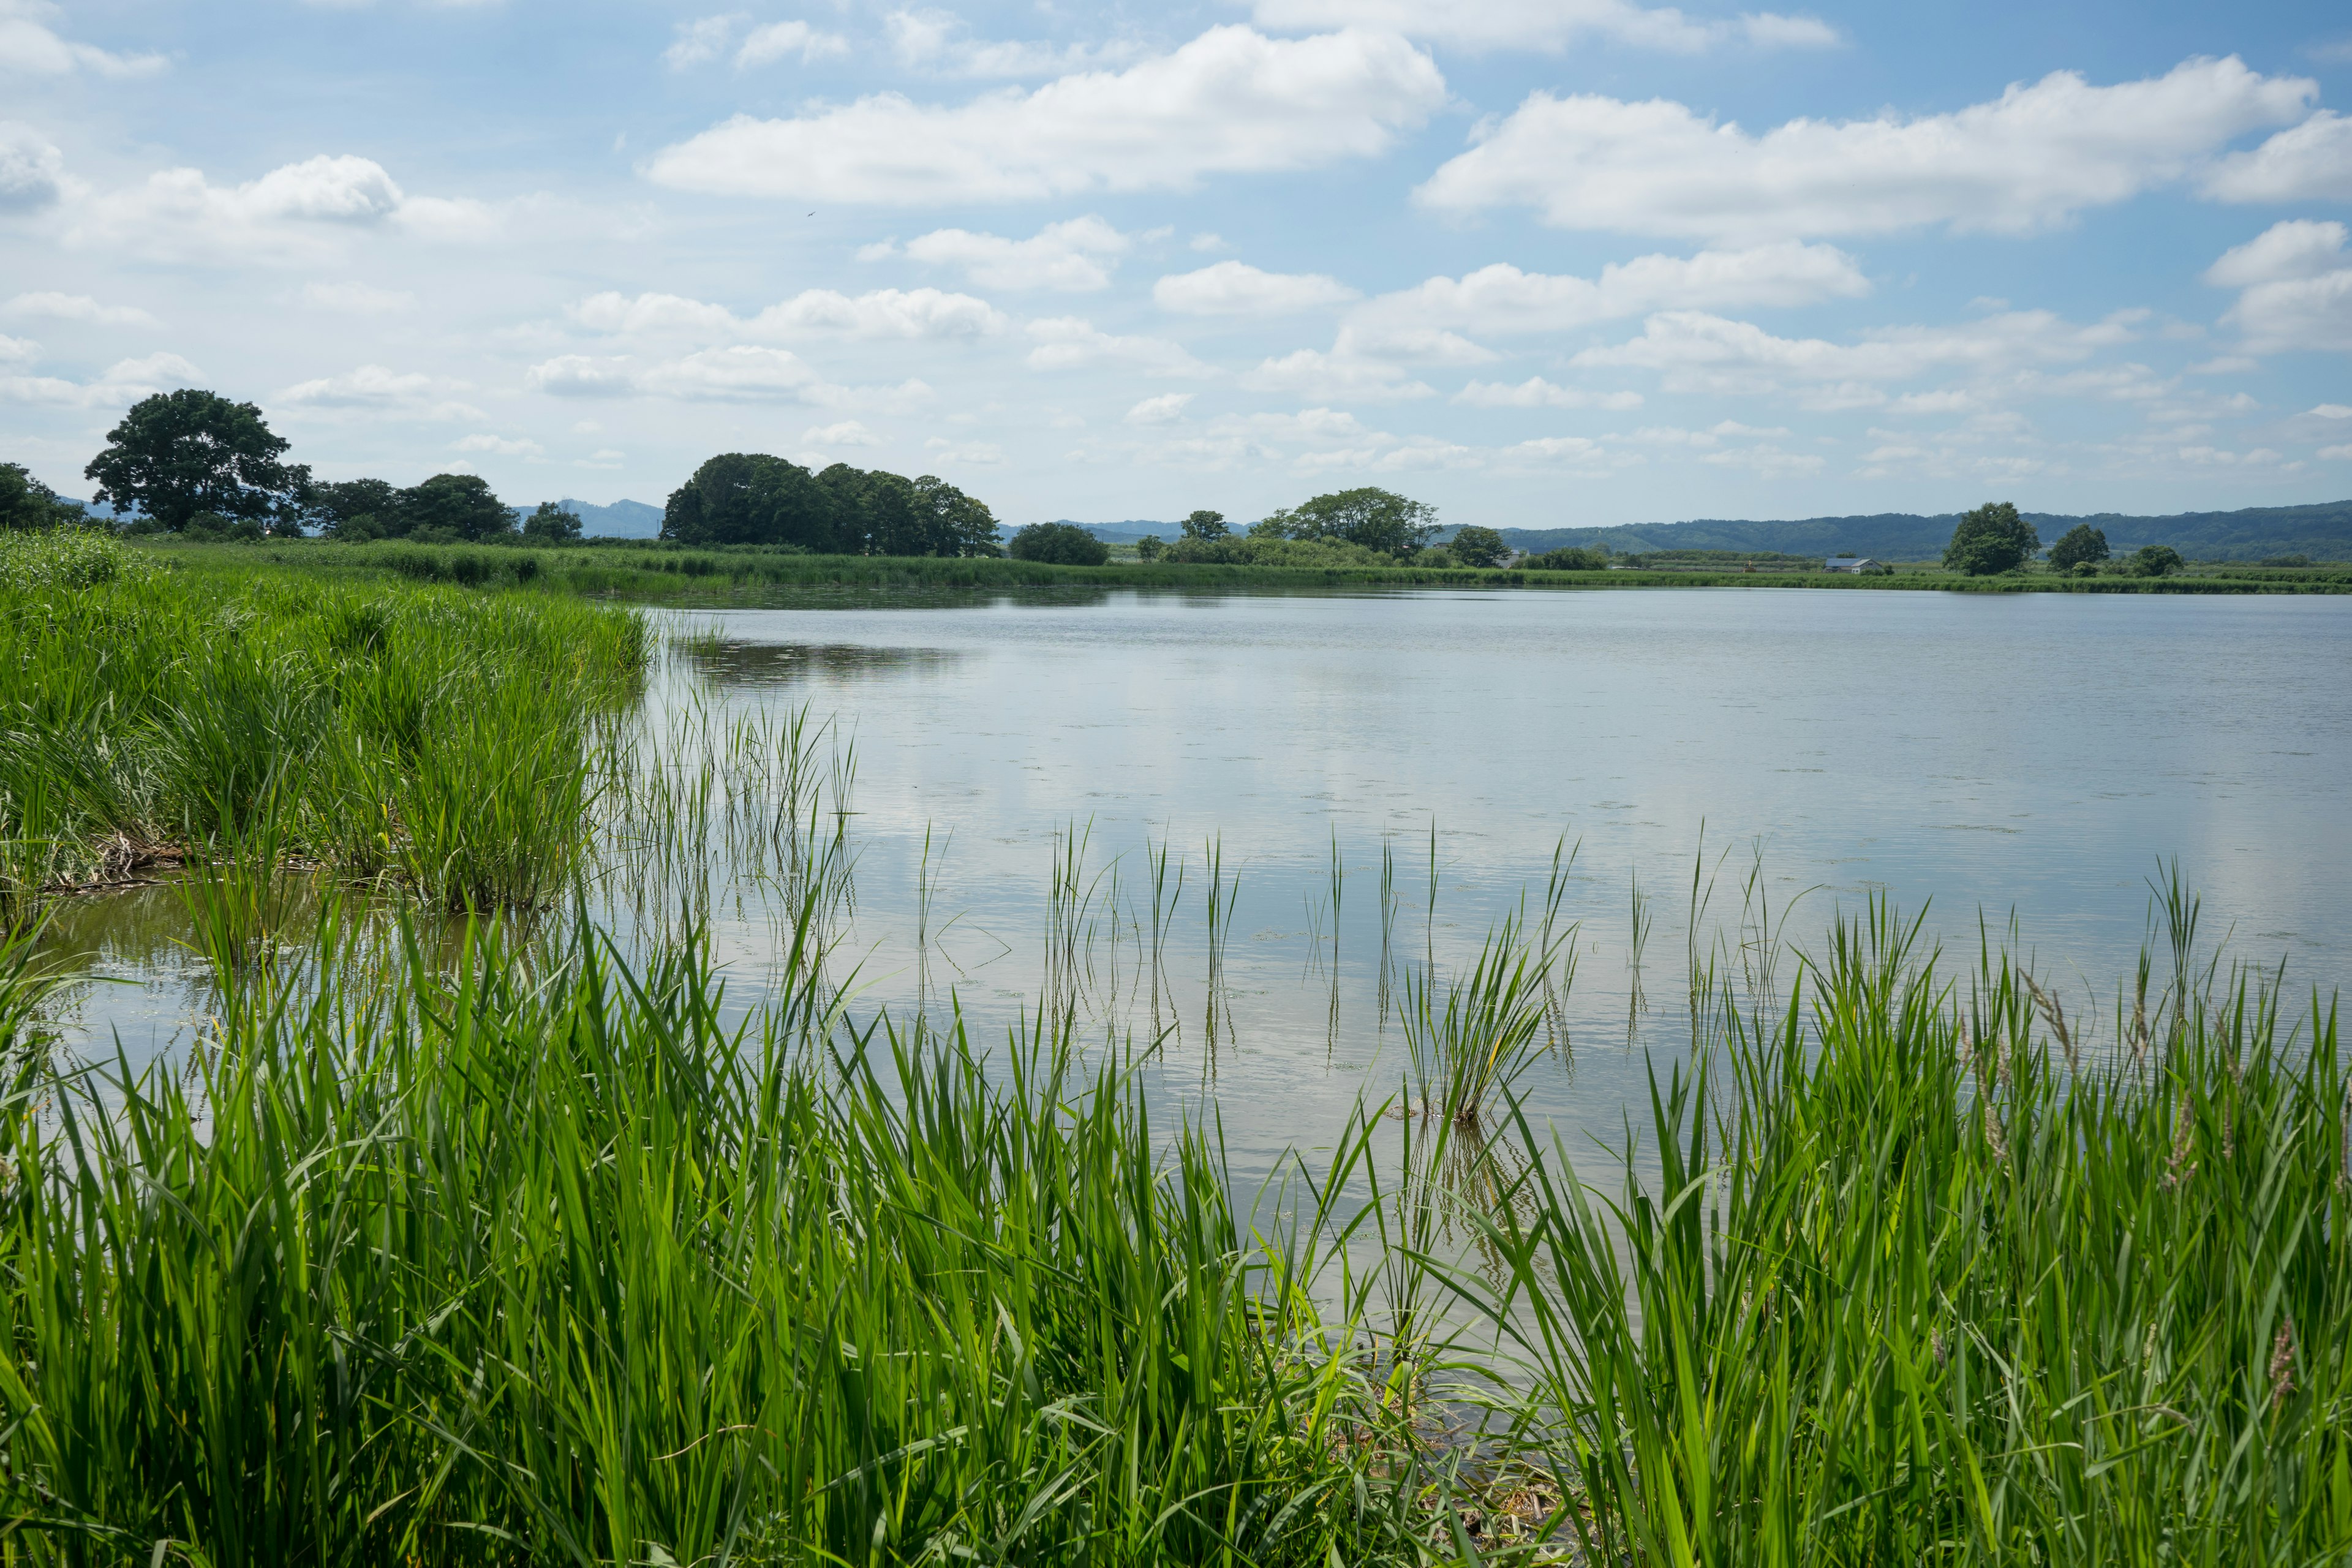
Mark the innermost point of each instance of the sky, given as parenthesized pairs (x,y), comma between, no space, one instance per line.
(1543,263)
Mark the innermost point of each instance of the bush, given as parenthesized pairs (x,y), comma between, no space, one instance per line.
(2156,560)
(1260,549)
(1569,558)
(2078,546)
(1150,547)
(1058,544)
(1438,558)
(68,558)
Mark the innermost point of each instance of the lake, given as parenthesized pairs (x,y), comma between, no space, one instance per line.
(1971,755)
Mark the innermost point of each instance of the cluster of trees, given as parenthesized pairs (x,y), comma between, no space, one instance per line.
(749,497)
(1994,539)
(444,510)
(1063,543)
(25,502)
(1358,527)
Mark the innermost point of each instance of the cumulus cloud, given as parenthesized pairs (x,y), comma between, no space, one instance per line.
(707,39)
(935,41)
(2310,161)
(29,46)
(922,313)
(1165,409)
(1500,299)
(845,433)
(1545,24)
(1536,393)
(369,386)
(50,306)
(1070,343)
(2294,280)
(125,381)
(1074,256)
(502,445)
(738,372)
(1237,289)
(1336,377)
(32,170)
(1229,101)
(2031,159)
(289,213)
(1696,352)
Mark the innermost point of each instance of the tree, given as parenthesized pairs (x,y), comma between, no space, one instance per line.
(750,497)
(1567,558)
(1991,540)
(1206,525)
(26,502)
(2079,545)
(1062,544)
(1377,519)
(1476,546)
(180,453)
(356,509)
(2156,560)
(1150,547)
(459,505)
(954,522)
(551,524)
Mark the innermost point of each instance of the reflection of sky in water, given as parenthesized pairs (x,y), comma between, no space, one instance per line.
(1989,753)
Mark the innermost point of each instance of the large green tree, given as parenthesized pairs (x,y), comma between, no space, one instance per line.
(356,509)
(1064,544)
(26,502)
(750,497)
(1992,539)
(2078,546)
(551,524)
(1205,524)
(1476,546)
(180,453)
(1376,519)
(459,504)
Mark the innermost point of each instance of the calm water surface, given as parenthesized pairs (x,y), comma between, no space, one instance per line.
(1969,754)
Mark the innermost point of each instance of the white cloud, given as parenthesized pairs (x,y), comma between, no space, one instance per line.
(1420,345)
(290,211)
(1336,377)
(2309,162)
(32,170)
(1536,393)
(1070,343)
(741,372)
(1500,299)
(2031,159)
(924,314)
(1229,101)
(582,376)
(846,433)
(1696,352)
(1165,409)
(766,44)
(125,382)
(1075,255)
(2295,287)
(1237,289)
(505,446)
(933,40)
(2337,454)
(1768,461)
(1545,24)
(2333,411)
(56,307)
(357,299)
(29,46)
(369,386)
(18,351)
(702,41)
(602,457)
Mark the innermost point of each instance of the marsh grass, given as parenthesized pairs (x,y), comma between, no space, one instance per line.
(1911,1291)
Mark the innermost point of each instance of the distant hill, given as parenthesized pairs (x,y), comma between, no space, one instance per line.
(622,520)
(2322,532)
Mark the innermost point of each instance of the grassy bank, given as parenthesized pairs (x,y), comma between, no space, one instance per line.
(539,1262)
(656,574)
(178,703)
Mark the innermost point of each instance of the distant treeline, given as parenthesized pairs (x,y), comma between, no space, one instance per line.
(2322,532)
(749,497)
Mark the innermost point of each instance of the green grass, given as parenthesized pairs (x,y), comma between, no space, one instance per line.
(162,704)
(542,1263)
(1918,1279)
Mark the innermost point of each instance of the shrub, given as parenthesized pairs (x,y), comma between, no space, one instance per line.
(1569,558)
(1058,544)
(68,558)
(2156,560)
(1150,547)
(2079,545)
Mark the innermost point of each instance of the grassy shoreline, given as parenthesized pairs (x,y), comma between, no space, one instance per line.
(685,576)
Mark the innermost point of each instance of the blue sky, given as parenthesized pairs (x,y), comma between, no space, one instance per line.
(1542,262)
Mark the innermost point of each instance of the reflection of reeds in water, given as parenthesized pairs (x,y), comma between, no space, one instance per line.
(1339,890)
(1635,1003)
(1166,893)
(1466,1050)
(1556,944)
(1388,926)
